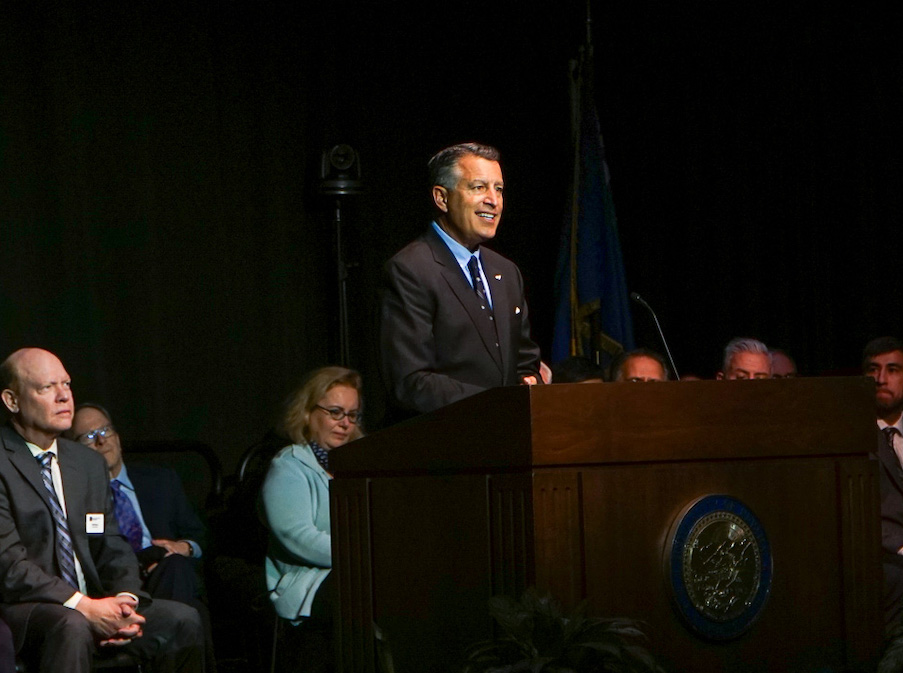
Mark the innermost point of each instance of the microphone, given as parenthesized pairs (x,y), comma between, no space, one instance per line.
(642,302)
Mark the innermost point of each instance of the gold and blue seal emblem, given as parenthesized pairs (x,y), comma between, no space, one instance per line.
(719,564)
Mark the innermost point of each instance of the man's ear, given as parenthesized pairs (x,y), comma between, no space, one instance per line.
(440,198)
(10,401)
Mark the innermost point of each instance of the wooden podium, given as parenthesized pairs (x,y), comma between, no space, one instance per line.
(577,489)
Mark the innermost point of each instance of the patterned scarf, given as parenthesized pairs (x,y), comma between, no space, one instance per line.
(321,454)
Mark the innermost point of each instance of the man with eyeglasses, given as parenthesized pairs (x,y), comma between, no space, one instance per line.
(69,582)
(152,509)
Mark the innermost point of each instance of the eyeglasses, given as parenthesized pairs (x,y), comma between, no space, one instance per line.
(104,432)
(337,414)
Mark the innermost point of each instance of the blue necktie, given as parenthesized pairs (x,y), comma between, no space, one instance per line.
(129,525)
(474,266)
(64,553)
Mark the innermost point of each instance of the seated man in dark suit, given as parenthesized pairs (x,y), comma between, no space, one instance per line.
(155,516)
(69,581)
(152,510)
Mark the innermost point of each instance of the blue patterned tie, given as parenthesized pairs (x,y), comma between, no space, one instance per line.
(126,516)
(474,266)
(64,553)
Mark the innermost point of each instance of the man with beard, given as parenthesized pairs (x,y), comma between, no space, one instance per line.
(882,359)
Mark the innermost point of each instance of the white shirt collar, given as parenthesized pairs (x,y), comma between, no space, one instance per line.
(898,425)
(37,450)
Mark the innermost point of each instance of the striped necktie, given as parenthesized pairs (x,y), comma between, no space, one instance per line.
(64,553)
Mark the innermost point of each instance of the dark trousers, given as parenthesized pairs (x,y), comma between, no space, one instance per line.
(309,647)
(7,649)
(893,592)
(59,640)
(175,578)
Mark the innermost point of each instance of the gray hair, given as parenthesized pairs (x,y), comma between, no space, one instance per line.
(744,345)
(444,164)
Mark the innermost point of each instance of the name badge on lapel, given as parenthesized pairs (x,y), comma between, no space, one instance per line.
(94,523)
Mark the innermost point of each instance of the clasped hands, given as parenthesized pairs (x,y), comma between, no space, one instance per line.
(115,618)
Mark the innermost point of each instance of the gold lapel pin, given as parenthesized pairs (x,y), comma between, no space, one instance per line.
(517,310)
(498,276)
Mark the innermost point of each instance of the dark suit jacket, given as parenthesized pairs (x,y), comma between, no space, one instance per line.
(28,567)
(891,483)
(436,345)
(164,505)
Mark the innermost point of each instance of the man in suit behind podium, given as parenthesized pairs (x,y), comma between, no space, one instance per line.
(68,579)
(453,315)
(882,359)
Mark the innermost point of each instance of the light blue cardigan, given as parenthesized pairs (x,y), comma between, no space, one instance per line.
(295,500)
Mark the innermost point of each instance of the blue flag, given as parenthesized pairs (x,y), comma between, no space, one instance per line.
(593,311)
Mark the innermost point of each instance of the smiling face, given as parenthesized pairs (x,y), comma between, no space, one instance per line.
(470,212)
(323,430)
(41,399)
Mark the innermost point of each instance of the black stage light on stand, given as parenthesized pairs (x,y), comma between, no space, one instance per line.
(340,176)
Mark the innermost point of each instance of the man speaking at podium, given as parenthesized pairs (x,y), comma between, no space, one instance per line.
(453,314)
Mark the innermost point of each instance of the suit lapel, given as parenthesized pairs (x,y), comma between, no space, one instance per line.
(25,463)
(75,490)
(152,501)
(501,305)
(888,458)
(460,287)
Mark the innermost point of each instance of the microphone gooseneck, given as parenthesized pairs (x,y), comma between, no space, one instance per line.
(642,302)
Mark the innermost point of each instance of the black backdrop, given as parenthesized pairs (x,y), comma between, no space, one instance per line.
(160,227)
